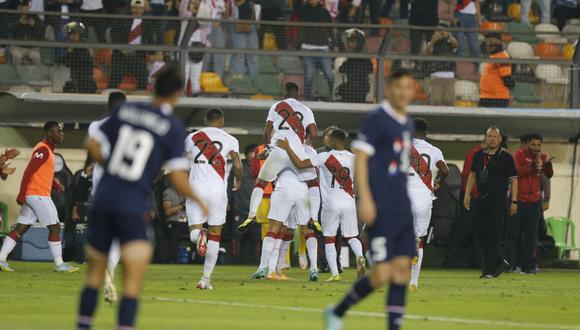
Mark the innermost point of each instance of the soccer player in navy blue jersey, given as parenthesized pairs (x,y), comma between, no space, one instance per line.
(382,159)
(132,145)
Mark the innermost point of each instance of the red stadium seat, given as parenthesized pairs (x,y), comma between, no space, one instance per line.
(548,51)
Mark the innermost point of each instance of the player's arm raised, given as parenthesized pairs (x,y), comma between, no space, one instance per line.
(299,163)
(238,169)
(367,208)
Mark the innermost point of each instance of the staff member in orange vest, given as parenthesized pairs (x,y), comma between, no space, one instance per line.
(496,79)
(34,196)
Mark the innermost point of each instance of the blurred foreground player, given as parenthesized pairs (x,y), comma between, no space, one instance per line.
(116,99)
(382,153)
(426,159)
(142,138)
(209,149)
(34,196)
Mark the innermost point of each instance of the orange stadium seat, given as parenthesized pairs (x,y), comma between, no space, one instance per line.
(514,11)
(492,26)
(386,67)
(211,83)
(269,41)
(263,97)
(103,57)
(420,94)
(169,36)
(100,79)
(548,51)
(384,21)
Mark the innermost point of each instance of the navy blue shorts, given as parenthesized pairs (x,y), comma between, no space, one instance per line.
(106,225)
(389,239)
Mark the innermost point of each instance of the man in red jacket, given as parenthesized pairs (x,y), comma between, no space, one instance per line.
(531,163)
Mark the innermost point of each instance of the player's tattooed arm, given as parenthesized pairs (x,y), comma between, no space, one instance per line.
(367,209)
(268,132)
(238,169)
(299,163)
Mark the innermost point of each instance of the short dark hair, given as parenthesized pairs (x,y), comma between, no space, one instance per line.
(213,114)
(49,125)
(338,134)
(329,129)
(524,138)
(250,148)
(397,75)
(291,87)
(421,125)
(535,136)
(115,99)
(168,83)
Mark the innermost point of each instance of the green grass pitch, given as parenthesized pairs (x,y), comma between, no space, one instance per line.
(36,298)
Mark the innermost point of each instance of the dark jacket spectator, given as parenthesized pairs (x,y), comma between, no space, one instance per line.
(79,61)
(357,70)
(25,27)
(315,36)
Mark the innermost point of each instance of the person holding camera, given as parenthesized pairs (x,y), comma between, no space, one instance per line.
(442,73)
(493,172)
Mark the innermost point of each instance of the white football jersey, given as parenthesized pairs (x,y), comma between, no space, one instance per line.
(288,180)
(98,170)
(290,119)
(424,160)
(336,168)
(309,173)
(209,150)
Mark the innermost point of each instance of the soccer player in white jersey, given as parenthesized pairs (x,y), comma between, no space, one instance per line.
(426,159)
(336,168)
(110,292)
(209,149)
(287,120)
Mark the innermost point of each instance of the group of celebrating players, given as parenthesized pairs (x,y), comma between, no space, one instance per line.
(386,168)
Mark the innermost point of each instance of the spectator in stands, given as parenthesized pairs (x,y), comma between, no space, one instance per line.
(272,10)
(315,39)
(158,8)
(442,73)
(468,15)
(215,62)
(545,8)
(423,14)
(249,240)
(155,65)
(496,79)
(132,32)
(175,221)
(565,10)
(531,163)
(27,27)
(79,61)
(99,24)
(357,70)
(5,169)
(244,36)
(58,22)
(403,9)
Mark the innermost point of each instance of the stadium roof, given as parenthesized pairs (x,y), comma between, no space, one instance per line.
(248,116)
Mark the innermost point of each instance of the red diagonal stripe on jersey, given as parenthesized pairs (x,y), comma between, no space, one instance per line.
(420,166)
(285,111)
(135,33)
(335,167)
(218,162)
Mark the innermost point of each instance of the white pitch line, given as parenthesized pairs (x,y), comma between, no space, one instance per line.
(376,314)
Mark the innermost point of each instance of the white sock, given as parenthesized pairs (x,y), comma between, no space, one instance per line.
(255,201)
(314,199)
(282,255)
(267,247)
(194,235)
(114,257)
(356,246)
(56,250)
(330,251)
(274,256)
(7,247)
(312,247)
(416,269)
(211,257)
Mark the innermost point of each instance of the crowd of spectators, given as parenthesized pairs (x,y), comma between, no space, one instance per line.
(349,81)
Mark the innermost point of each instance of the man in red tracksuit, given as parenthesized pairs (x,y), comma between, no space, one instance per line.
(531,163)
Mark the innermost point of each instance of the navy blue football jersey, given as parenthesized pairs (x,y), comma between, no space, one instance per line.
(386,137)
(137,140)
